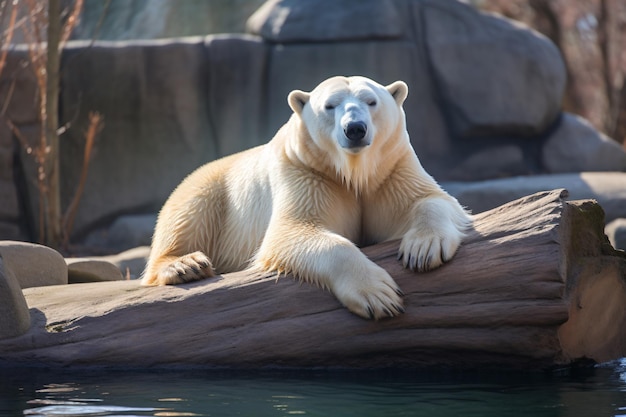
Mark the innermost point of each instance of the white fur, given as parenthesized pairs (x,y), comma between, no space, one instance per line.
(302,203)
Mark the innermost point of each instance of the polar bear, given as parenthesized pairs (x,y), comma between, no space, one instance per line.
(341,173)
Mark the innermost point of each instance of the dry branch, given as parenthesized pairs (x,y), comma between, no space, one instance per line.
(45,30)
(96,121)
(535,285)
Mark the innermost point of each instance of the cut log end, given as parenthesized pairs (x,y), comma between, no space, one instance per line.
(595,288)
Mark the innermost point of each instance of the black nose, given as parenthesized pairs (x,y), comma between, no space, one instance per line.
(355,130)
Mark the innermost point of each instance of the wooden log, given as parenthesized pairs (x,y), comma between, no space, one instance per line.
(535,284)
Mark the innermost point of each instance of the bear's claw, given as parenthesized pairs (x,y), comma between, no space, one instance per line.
(372,294)
(426,252)
(187,268)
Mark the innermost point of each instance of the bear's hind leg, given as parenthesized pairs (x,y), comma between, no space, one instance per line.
(171,270)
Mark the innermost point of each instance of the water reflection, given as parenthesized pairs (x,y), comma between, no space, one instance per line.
(599,392)
(74,409)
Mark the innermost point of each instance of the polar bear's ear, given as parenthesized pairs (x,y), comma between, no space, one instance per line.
(297,100)
(398,90)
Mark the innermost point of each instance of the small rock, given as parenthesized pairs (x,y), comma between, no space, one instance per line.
(14,314)
(576,146)
(125,265)
(34,265)
(616,231)
(90,270)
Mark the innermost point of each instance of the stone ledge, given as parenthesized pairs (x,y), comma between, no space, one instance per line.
(608,188)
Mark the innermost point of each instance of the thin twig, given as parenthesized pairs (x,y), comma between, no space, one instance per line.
(9,37)
(95,126)
(71,22)
(7,100)
(96,31)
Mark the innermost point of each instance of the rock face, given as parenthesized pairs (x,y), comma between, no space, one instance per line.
(115,20)
(495,77)
(590,36)
(290,21)
(19,110)
(161,122)
(484,100)
(9,209)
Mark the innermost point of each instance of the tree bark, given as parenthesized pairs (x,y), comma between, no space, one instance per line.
(535,285)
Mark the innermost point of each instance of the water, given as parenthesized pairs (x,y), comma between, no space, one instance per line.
(590,393)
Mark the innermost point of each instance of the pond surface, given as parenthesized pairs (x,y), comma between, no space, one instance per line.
(596,392)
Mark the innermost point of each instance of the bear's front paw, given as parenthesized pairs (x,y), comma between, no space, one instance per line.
(426,251)
(373,295)
(191,267)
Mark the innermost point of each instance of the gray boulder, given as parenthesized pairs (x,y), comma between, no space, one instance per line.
(494,76)
(34,265)
(125,265)
(14,314)
(470,75)
(577,146)
(83,270)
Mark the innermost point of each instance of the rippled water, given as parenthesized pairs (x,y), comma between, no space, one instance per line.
(590,393)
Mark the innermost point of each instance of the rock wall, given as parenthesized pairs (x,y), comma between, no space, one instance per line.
(591,35)
(118,20)
(18,92)
(141,19)
(484,101)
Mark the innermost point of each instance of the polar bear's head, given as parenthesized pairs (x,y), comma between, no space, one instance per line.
(354,121)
